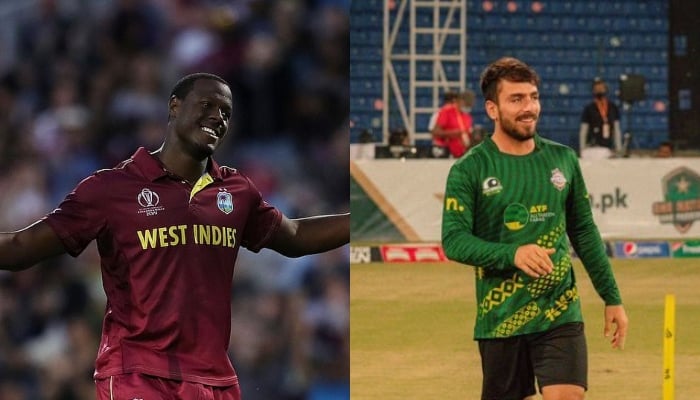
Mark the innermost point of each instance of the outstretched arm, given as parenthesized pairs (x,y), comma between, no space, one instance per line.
(302,236)
(22,249)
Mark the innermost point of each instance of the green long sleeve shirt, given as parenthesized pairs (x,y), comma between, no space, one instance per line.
(496,202)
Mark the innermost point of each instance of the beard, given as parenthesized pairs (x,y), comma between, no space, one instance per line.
(519,133)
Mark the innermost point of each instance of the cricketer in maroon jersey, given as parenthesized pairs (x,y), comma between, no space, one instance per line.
(168,227)
(168,251)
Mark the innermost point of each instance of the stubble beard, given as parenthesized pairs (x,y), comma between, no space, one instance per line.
(520,134)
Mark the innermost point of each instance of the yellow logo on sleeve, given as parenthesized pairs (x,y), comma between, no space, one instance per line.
(451,204)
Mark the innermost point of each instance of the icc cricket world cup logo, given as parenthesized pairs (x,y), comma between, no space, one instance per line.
(148,198)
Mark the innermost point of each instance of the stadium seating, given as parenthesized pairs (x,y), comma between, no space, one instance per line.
(568,42)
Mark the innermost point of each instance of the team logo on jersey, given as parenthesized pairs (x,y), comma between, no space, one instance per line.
(491,186)
(558,179)
(515,217)
(224,201)
(148,200)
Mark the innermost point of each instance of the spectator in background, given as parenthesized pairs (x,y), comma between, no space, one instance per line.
(452,130)
(399,137)
(599,134)
(469,97)
(665,150)
(447,98)
(61,138)
(14,119)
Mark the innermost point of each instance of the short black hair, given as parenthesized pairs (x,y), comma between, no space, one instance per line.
(509,69)
(599,81)
(449,96)
(184,86)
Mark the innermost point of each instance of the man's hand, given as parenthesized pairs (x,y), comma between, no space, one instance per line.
(534,260)
(615,315)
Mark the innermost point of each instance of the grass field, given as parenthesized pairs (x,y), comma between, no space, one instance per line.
(411,331)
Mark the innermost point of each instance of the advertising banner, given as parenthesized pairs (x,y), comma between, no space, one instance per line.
(642,250)
(636,198)
(687,249)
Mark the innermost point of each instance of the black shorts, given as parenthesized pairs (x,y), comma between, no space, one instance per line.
(511,365)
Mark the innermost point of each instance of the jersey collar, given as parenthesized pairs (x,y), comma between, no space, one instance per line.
(152,169)
(492,145)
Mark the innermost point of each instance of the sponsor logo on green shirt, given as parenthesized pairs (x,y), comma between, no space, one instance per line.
(516,216)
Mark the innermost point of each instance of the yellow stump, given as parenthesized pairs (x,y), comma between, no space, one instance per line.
(669,346)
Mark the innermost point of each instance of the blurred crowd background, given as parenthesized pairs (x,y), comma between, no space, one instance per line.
(83,83)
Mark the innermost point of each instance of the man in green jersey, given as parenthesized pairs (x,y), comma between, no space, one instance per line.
(510,204)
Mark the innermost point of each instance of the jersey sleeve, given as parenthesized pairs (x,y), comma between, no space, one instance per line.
(586,239)
(458,239)
(263,221)
(79,218)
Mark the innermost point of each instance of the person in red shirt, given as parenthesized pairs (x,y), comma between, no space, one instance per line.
(168,226)
(453,125)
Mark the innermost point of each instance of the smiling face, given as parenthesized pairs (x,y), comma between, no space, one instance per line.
(199,121)
(516,109)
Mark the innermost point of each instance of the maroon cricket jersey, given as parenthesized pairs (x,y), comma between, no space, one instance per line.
(168,251)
